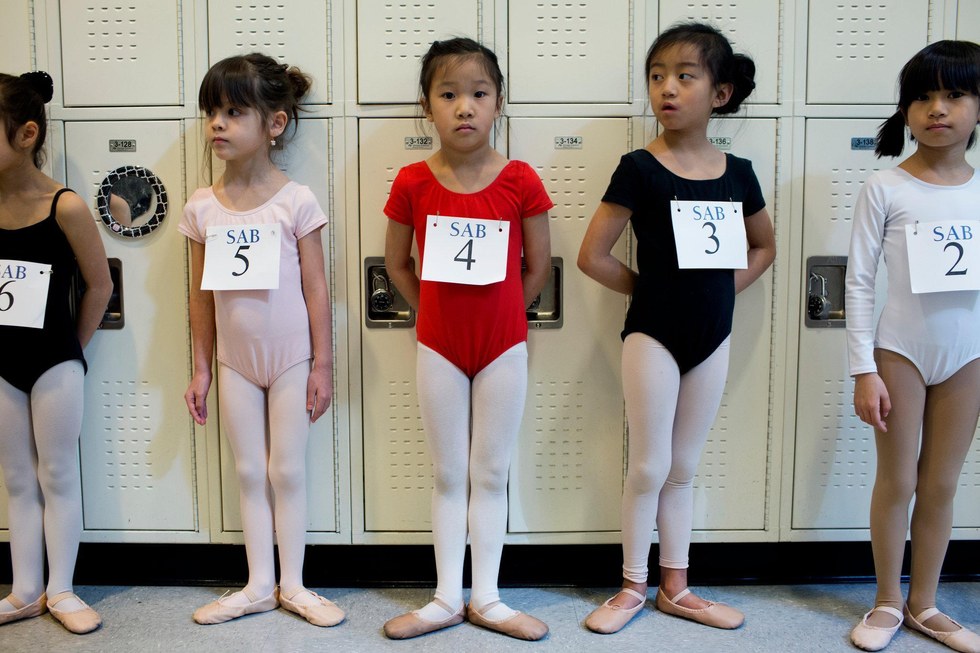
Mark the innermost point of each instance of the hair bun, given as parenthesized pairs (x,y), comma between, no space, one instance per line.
(41,82)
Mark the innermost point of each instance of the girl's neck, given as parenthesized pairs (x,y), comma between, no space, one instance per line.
(466,172)
(688,154)
(245,185)
(24,181)
(942,167)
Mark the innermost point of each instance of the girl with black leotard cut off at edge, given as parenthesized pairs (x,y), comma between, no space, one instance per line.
(45,232)
(676,336)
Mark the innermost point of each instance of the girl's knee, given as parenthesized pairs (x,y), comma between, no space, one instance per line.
(288,478)
(646,478)
(58,478)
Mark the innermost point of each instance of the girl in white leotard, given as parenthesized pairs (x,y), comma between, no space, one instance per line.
(920,372)
(268,327)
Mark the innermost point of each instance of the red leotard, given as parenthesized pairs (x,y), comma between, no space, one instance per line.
(468,325)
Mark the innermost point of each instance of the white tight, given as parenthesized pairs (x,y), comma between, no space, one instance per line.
(669,418)
(268,431)
(477,455)
(39,456)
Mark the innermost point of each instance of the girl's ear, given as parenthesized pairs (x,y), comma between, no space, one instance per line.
(26,135)
(277,123)
(426,108)
(723,93)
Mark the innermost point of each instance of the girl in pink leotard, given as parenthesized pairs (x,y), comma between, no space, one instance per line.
(472,211)
(268,324)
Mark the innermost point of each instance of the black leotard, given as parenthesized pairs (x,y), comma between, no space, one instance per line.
(29,353)
(689,311)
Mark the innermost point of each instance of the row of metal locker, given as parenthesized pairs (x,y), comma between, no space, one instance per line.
(365,51)
(786,458)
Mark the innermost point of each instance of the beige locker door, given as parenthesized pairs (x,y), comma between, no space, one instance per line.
(731,485)
(306,161)
(968,20)
(116,54)
(856,49)
(137,449)
(569,51)
(393,35)
(397,469)
(835,451)
(295,33)
(567,471)
(15,37)
(752,27)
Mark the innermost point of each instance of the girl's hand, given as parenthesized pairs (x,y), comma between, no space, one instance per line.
(319,392)
(197,396)
(871,401)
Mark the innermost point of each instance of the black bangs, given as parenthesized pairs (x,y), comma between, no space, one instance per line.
(952,65)
(229,81)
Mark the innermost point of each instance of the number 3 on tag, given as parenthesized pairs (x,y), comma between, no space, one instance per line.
(709,234)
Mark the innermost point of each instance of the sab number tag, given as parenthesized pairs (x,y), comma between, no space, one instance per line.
(465,250)
(242,257)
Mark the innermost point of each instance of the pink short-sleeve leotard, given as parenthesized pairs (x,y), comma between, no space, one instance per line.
(468,325)
(261,333)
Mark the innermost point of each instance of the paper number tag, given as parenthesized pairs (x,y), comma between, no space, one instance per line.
(709,234)
(242,257)
(23,293)
(464,250)
(943,256)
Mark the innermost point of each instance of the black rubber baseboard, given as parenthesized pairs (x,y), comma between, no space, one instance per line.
(522,565)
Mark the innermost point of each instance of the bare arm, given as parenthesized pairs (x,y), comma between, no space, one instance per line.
(398,261)
(595,256)
(536,233)
(79,228)
(762,249)
(201,306)
(319,388)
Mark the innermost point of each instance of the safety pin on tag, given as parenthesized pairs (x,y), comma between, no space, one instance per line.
(915,229)
(436,223)
(210,237)
(500,220)
(678,203)
(734,205)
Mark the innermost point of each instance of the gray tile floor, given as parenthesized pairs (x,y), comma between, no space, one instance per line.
(796,618)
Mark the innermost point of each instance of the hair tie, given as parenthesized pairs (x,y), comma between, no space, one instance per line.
(41,83)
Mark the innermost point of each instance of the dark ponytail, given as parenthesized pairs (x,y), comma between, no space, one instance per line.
(742,79)
(891,136)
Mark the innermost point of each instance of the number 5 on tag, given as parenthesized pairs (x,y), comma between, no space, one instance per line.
(242,257)
(943,256)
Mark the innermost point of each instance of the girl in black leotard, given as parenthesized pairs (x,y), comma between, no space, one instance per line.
(681,195)
(45,231)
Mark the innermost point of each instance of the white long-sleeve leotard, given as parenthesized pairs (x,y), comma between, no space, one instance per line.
(939,331)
